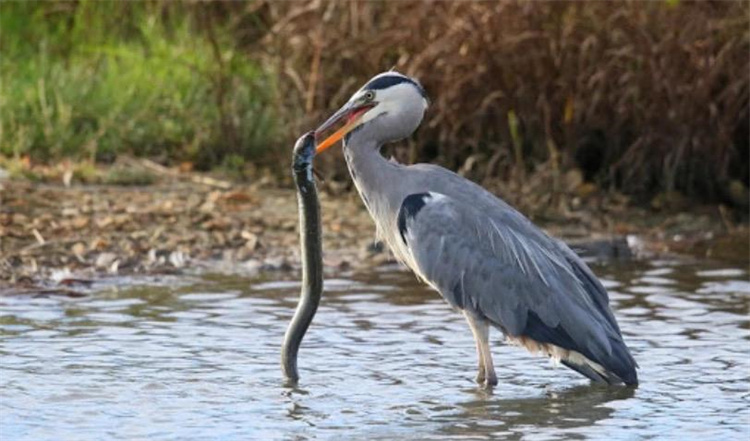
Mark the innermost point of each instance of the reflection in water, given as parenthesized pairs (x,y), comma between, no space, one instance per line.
(571,408)
(384,359)
(295,410)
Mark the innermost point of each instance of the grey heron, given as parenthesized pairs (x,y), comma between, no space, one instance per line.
(484,257)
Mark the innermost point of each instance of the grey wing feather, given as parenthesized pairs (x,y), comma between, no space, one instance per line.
(502,267)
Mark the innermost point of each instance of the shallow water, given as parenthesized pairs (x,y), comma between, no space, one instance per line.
(384,359)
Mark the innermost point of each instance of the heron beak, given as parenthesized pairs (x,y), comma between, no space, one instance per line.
(352,114)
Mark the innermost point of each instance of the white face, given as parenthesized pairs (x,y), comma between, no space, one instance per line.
(392,100)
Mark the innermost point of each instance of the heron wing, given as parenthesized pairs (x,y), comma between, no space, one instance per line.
(502,267)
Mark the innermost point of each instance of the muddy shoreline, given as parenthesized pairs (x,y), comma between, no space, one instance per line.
(57,237)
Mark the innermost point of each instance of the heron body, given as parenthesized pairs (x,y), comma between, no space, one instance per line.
(484,257)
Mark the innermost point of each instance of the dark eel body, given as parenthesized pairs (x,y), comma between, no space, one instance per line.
(312,254)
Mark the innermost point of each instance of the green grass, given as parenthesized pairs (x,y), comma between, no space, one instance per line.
(90,80)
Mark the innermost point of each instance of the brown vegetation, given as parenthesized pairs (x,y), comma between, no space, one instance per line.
(647,97)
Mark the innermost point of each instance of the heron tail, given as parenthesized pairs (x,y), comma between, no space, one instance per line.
(620,368)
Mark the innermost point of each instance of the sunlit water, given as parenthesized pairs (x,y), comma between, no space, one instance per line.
(384,359)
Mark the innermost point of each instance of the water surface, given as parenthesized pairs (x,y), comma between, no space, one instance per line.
(385,359)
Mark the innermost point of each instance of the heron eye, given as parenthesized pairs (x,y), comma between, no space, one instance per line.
(369,95)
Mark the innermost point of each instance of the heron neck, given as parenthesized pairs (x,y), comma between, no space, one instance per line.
(376,178)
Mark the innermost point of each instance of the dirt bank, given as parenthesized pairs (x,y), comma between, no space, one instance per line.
(53,235)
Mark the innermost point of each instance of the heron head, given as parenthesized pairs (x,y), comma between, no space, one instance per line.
(391,103)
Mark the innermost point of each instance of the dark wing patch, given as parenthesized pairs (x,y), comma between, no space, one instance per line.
(387,81)
(620,363)
(538,331)
(409,209)
(558,336)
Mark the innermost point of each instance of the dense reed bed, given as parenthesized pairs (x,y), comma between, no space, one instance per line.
(643,97)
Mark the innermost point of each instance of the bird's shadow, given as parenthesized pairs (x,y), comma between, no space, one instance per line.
(575,407)
(578,406)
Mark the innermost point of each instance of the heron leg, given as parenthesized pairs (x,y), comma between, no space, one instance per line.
(481,331)
(480,355)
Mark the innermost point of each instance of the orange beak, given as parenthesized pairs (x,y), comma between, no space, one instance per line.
(353,116)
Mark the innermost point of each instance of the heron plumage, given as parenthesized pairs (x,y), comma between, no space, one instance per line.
(520,280)
(482,255)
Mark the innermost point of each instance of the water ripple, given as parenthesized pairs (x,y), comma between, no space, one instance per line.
(385,359)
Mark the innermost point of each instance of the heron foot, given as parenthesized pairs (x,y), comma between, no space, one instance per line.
(490,380)
(480,376)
